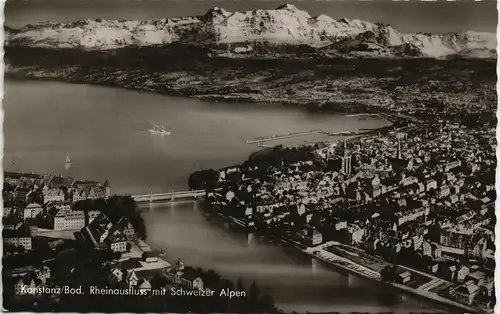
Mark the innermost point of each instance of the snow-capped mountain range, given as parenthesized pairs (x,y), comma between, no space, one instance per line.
(285,25)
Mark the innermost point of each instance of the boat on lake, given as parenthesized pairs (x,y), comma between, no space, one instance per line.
(156,129)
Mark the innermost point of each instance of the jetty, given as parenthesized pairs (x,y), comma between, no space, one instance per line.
(342,133)
(281,136)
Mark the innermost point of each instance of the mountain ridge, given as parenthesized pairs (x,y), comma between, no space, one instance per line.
(285,25)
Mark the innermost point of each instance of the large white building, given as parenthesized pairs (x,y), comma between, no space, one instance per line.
(65,219)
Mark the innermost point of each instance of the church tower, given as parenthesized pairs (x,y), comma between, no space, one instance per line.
(107,189)
(180,264)
(399,150)
(346,161)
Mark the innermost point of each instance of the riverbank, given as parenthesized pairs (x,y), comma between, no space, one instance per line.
(321,253)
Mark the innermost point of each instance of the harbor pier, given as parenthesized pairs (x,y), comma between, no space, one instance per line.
(280,137)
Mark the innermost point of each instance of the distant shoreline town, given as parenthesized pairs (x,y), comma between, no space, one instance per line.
(56,227)
(356,93)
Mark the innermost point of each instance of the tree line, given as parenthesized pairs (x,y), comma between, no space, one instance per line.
(115,208)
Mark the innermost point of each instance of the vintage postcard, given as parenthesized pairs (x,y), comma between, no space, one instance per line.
(249,156)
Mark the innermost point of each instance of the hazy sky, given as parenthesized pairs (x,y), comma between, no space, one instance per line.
(406,16)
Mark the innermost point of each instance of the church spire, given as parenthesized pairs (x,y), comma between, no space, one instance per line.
(399,149)
(346,161)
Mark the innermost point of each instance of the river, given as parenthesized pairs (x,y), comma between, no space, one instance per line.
(104,131)
(296,282)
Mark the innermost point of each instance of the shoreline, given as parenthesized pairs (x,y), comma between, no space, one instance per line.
(301,108)
(312,106)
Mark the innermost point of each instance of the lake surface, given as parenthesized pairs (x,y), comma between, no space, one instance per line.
(104,131)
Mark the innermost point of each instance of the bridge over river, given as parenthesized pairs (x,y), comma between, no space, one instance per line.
(169,196)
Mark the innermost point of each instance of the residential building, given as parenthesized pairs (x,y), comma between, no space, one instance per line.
(78,195)
(22,194)
(93,215)
(478,277)
(126,227)
(7,211)
(443,191)
(191,280)
(18,237)
(411,215)
(430,184)
(43,274)
(32,210)
(488,286)
(55,196)
(313,237)
(404,277)
(31,179)
(466,292)
(118,243)
(484,301)
(97,231)
(12,178)
(132,279)
(26,284)
(68,219)
(462,273)
(101,233)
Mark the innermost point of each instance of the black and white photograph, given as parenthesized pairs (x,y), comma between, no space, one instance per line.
(249,156)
